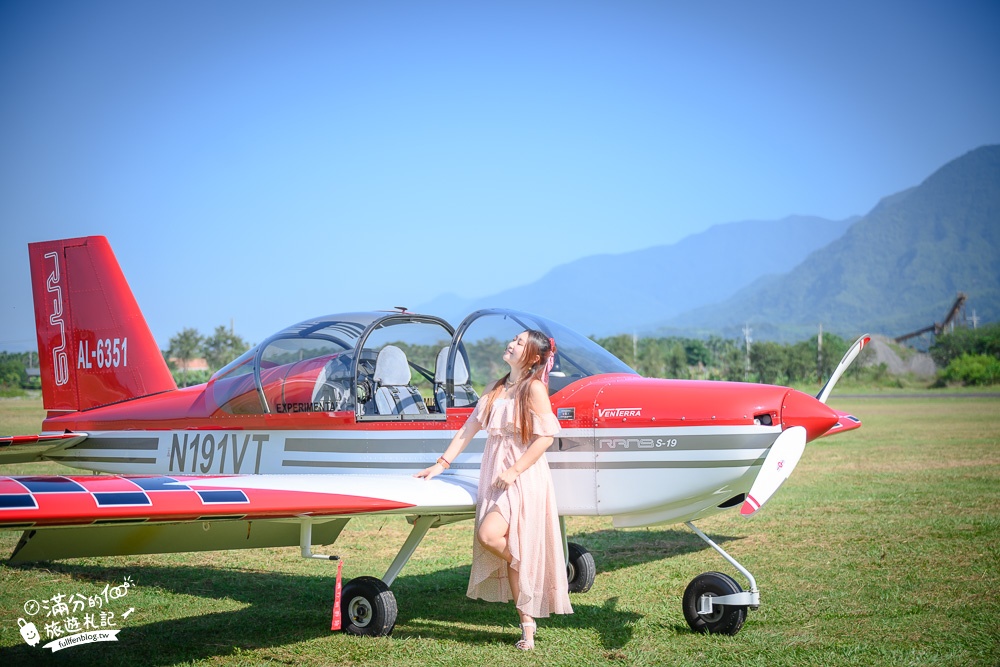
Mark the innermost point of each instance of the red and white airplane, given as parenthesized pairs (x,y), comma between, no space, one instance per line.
(329,419)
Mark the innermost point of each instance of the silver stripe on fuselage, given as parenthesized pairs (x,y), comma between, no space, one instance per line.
(104,459)
(574,448)
(343,446)
(105,449)
(128,443)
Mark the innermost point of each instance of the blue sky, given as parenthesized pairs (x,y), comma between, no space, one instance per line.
(266,162)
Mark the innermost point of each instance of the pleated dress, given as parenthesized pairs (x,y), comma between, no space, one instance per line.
(529,507)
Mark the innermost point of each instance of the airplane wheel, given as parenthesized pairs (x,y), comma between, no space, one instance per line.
(580,571)
(724,619)
(368,607)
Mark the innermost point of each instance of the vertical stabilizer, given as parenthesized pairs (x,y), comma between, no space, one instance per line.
(94,345)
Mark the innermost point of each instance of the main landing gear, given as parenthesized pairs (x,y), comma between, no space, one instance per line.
(367,606)
(580,567)
(713,602)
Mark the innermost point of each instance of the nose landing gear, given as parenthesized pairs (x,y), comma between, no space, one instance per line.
(713,602)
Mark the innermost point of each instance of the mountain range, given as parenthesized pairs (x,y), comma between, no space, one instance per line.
(892,271)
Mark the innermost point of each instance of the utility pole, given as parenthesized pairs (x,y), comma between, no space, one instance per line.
(819,354)
(746,335)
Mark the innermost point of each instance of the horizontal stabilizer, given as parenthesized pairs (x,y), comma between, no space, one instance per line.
(32,448)
(778,465)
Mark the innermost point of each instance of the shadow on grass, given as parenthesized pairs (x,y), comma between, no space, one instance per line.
(616,549)
(284,609)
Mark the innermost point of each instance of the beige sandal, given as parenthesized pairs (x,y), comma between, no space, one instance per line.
(524,643)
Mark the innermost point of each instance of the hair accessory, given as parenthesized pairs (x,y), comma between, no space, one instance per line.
(549,362)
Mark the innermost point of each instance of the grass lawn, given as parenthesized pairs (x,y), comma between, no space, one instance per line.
(882,549)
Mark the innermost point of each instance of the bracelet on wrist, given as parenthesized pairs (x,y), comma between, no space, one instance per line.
(444,462)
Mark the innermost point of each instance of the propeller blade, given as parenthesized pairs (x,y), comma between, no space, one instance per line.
(778,465)
(848,359)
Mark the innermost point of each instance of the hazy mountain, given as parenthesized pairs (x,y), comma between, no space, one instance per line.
(608,294)
(896,270)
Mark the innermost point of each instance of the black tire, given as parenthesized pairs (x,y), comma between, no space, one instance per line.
(724,619)
(580,570)
(367,607)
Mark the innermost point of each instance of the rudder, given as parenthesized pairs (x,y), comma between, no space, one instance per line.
(94,345)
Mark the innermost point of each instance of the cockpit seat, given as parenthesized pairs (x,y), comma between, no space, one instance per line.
(465,395)
(393,393)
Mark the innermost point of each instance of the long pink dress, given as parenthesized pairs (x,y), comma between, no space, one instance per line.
(529,506)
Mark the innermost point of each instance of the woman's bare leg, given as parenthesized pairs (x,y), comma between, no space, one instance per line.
(494,536)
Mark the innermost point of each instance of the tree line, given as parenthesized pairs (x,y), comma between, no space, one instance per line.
(218,349)
(717,358)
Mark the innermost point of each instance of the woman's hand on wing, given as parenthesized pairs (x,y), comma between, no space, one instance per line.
(428,473)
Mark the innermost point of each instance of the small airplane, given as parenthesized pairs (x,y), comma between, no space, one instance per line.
(328,419)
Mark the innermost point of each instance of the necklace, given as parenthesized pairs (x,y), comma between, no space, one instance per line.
(510,382)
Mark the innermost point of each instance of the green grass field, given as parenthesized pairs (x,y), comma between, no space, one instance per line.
(882,549)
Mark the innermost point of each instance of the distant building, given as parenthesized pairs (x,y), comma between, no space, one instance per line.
(190,365)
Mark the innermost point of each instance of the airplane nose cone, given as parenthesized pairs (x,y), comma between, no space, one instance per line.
(798,409)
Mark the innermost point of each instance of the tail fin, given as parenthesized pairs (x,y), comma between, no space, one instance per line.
(94,345)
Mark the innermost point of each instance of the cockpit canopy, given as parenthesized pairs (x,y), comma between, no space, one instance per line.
(391,365)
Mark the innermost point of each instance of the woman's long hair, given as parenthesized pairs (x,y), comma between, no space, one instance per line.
(538,345)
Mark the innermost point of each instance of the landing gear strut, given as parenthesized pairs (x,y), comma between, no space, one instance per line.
(713,602)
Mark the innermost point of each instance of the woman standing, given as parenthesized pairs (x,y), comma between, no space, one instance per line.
(517,553)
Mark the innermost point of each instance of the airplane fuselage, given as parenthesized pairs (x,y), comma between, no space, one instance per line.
(628,447)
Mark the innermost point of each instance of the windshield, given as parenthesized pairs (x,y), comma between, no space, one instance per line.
(484,335)
(379,365)
(294,370)
(392,365)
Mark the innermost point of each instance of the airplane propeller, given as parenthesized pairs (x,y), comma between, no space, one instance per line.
(787,449)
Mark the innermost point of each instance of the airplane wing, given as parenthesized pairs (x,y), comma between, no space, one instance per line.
(99,515)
